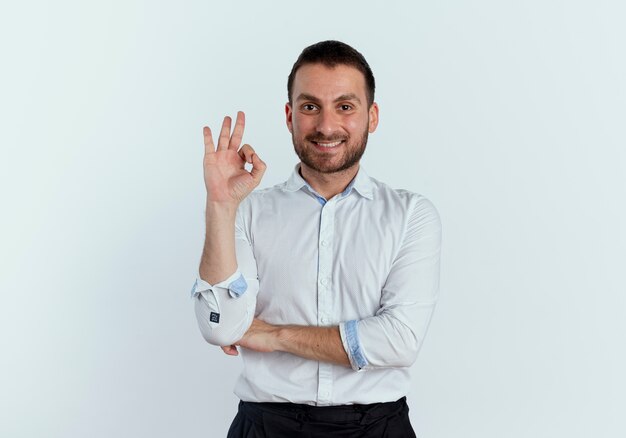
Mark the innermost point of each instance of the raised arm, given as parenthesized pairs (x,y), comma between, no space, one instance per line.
(227,184)
(222,295)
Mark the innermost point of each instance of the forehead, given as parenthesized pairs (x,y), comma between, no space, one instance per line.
(328,82)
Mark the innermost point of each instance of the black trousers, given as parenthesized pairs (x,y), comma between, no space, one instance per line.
(288,420)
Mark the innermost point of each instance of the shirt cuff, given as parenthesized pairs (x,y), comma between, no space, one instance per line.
(352,344)
(235,284)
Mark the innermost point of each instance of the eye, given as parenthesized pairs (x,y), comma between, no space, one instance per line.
(309,107)
(345,107)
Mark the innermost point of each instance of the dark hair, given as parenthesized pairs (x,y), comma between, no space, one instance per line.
(332,53)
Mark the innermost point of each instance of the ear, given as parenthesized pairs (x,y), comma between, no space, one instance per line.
(373,116)
(288,114)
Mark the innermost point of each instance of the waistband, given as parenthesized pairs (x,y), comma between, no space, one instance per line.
(342,413)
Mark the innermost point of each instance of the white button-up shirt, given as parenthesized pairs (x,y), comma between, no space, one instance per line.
(366,260)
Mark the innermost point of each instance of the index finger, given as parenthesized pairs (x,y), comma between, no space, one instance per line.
(235,139)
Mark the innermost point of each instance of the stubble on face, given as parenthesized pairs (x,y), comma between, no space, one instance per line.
(329,106)
(353,150)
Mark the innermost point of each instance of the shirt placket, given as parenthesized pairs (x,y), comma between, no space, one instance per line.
(324,297)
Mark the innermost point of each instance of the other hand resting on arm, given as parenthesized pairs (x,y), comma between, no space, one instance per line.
(315,343)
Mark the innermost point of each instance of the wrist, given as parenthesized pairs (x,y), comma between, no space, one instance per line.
(221,209)
(281,336)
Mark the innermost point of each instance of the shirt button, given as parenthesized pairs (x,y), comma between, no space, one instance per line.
(324,282)
(324,243)
(324,320)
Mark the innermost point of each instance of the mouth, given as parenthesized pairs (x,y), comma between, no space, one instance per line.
(327,144)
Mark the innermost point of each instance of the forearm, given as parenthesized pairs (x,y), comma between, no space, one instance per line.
(315,343)
(218,256)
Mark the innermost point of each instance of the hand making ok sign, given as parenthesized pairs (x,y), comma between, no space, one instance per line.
(226,179)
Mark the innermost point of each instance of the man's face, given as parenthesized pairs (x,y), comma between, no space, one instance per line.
(329,118)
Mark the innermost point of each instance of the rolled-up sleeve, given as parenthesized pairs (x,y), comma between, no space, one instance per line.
(394,335)
(225,310)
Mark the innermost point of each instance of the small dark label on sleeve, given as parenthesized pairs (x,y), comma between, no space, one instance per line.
(214,317)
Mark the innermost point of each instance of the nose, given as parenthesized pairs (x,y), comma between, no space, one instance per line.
(327,123)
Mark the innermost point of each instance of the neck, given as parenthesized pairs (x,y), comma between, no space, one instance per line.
(328,184)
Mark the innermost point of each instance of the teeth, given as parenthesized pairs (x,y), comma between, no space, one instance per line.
(329,145)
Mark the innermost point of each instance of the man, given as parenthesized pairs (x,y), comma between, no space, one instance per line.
(326,282)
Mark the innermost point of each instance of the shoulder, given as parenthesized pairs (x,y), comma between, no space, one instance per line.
(261,197)
(265,194)
(413,203)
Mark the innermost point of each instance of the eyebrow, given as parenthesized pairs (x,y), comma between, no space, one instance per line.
(349,96)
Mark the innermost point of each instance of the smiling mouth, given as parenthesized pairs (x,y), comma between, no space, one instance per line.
(328,144)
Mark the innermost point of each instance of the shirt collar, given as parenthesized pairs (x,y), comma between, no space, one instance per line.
(362,183)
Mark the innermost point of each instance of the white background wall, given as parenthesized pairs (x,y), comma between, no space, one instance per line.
(508,115)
